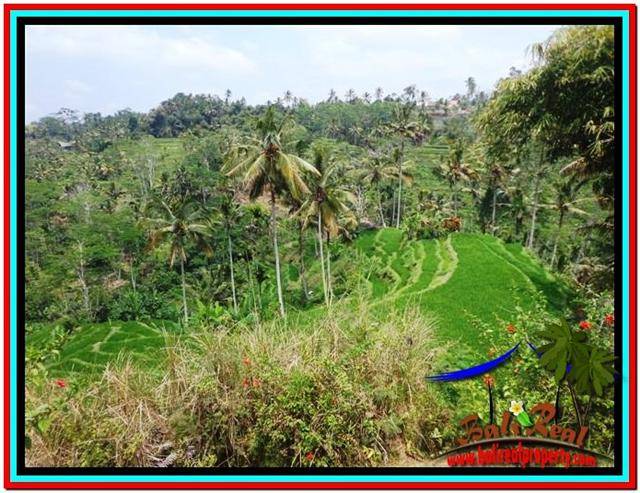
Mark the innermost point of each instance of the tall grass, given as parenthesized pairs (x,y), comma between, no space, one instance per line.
(347,391)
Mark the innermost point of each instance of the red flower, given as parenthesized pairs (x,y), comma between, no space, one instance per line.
(488,380)
(309,456)
(511,329)
(245,382)
(256,382)
(585,325)
(60,383)
(609,320)
(246,361)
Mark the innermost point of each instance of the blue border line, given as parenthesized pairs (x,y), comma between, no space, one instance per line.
(325,13)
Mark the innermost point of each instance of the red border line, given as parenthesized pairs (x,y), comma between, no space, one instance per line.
(6,243)
(356,485)
(319,6)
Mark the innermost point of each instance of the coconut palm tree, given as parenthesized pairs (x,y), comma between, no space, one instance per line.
(455,172)
(404,127)
(328,206)
(376,171)
(231,213)
(181,223)
(263,165)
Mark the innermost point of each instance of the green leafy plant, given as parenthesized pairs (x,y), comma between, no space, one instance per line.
(586,369)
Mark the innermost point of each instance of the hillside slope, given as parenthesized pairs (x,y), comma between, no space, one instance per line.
(461,281)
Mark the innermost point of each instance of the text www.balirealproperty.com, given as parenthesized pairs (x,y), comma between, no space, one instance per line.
(522,456)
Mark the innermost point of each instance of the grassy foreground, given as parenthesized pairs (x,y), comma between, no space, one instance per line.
(349,391)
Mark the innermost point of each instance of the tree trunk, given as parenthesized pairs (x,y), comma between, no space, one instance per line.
(555,244)
(233,281)
(329,285)
(303,275)
(557,416)
(274,232)
(576,405)
(184,290)
(399,211)
(132,275)
(394,206)
(384,223)
(324,276)
(534,212)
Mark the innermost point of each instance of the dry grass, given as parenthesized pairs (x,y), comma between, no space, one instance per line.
(338,393)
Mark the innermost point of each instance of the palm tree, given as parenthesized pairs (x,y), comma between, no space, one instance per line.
(288,97)
(471,86)
(564,204)
(181,223)
(497,177)
(379,92)
(404,127)
(377,170)
(265,165)
(351,96)
(231,213)
(538,174)
(455,171)
(326,205)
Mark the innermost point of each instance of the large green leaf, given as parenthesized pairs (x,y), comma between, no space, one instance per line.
(565,347)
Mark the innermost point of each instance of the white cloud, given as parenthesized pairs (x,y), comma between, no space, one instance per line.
(133,45)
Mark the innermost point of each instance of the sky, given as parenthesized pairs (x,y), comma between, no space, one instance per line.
(108,68)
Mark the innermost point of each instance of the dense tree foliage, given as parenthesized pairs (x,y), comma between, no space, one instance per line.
(532,163)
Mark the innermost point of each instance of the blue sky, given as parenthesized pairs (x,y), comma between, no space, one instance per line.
(107,68)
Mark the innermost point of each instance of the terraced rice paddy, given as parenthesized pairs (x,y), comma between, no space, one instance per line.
(91,346)
(457,280)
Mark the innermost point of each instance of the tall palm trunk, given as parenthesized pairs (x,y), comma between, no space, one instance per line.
(233,281)
(394,207)
(400,157)
(329,284)
(557,240)
(384,223)
(536,197)
(132,275)
(534,213)
(303,275)
(184,290)
(324,276)
(274,232)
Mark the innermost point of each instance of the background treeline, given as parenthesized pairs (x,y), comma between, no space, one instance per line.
(160,215)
